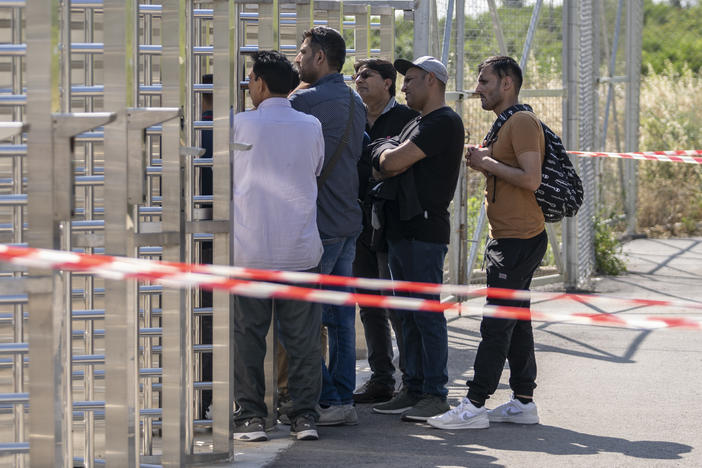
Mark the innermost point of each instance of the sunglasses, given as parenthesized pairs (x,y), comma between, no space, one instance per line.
(365,74)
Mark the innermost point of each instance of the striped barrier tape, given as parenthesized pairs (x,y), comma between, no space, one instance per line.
(683,156)
(178,275)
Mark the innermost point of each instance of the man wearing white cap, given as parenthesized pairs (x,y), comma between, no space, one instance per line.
(422,166)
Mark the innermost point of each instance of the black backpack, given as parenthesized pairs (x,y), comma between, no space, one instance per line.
(561,191)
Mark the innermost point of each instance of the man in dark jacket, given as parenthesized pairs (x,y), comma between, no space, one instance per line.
(385,117)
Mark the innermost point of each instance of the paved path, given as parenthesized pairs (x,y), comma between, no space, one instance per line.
(607,396)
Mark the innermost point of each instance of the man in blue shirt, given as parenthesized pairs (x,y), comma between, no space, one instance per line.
(319,62)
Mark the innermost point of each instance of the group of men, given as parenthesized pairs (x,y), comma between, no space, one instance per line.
(356,184)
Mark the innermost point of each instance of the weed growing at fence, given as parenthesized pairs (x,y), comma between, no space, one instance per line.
(607,247)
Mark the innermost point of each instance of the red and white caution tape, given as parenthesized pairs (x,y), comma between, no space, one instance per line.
(463,291)
(179,275)
(683,156)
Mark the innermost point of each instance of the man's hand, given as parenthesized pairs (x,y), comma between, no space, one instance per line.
(396,161)
(476,157)
(526,175)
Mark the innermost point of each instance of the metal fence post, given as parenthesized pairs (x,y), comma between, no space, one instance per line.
(634,26)
(571,125)
(49,419)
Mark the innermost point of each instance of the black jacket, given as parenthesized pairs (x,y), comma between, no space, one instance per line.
(387,125)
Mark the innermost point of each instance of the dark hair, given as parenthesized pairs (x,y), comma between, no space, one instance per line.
(330,42)
(383,67)
(504,66)
(275,70)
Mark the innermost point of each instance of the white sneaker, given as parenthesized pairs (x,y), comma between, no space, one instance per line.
(514,411)
(463,416)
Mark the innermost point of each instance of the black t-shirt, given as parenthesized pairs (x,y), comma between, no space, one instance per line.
(439,135)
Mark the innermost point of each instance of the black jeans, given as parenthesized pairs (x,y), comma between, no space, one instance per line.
(510,264)
(370,264)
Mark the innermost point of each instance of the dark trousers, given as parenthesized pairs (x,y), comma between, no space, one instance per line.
(377,322)
(510,264)
(299,324)
(425,336)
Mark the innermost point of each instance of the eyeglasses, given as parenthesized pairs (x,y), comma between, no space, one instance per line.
(365,74)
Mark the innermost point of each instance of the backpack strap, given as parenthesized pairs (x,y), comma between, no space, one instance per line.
(491,136)
(342,144)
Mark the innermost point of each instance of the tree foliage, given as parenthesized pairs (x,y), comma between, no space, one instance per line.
(671,33)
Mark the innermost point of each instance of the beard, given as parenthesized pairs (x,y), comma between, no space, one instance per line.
(304,75)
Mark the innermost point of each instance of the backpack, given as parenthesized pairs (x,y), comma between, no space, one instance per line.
(561,191)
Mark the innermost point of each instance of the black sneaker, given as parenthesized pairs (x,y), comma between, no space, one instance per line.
(400,403)
(428,407)
(250,430)
(373,392)
(304,428)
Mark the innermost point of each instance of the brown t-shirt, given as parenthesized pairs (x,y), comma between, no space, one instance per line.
(513,211)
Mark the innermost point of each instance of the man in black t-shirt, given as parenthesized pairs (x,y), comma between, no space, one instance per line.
(424,165)
(385,118)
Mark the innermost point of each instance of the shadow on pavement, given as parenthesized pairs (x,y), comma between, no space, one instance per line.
(560,441)
(381,440)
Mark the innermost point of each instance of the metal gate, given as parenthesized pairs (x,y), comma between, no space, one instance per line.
(113,90)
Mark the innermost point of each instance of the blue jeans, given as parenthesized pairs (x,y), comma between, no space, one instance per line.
(424,334)
(339,376)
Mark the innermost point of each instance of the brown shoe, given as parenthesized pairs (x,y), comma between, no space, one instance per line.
(373,392)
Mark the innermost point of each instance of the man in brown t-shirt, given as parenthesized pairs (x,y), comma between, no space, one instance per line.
(512,167)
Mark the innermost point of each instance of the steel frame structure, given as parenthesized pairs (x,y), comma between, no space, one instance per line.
(101,140)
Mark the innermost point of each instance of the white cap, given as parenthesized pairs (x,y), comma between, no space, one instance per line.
(426,63)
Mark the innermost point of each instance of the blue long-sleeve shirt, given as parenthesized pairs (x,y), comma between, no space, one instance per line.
(338,210)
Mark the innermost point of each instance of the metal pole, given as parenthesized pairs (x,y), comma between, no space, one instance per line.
(612,64)
(121,380)
(387,33)
(176,356)
(447,36)
(422,21)
(497,25)
(461,207)
(225,81)
(571,125)
(49,417)
(587,101)
(530,33)
(18,237)
(634,27)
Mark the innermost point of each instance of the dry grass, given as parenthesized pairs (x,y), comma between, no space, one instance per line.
(671,118)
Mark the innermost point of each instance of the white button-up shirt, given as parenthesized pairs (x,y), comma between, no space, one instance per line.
(274,208)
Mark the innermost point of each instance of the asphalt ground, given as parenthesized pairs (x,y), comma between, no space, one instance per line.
(607,397)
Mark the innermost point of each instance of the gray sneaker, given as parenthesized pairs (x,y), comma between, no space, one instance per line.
(427,407)
(303,428)
(350,415)
(250,430)
(400,403)
(334,415)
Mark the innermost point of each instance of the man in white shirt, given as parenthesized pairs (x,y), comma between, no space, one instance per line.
(274,226)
